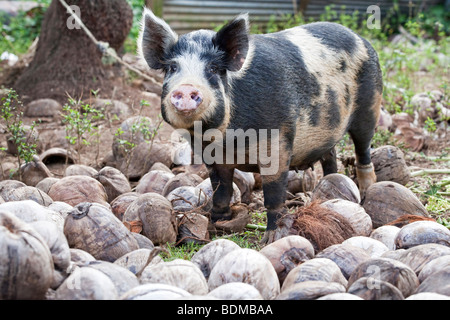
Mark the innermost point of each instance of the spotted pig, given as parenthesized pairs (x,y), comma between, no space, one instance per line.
(306,87)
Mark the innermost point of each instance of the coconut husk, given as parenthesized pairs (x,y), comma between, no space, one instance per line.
(390,165)
(80,170)
(239,219)
(114,181)
(198,169)
(386,201)
(322,226)
(192,228)
(77,189)
(29,193)
(181,180)
(58,155)
(245,181)
(154,181)
(34,171)
(156,215)
(7,186)
(406,219)
(46,184)
(301,181)
(120,204)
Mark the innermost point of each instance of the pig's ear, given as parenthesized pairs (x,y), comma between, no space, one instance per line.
(155,38)
(233,40)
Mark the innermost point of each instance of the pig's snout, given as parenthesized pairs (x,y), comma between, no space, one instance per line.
(186,98)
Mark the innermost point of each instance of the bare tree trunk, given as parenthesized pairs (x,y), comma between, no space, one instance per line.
(66,59)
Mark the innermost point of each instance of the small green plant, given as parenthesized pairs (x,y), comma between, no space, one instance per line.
(430,125)
(11,112)
(141,128)
(80,121)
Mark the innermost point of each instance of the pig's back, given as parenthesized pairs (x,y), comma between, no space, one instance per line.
(304,81)
(294,69)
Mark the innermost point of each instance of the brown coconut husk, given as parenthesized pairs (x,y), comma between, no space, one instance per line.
(322,226)
(406,219)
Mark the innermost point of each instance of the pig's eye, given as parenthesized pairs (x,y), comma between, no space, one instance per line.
(213,69)
(173,68)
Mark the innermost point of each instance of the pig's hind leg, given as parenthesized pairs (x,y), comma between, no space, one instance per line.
(361,131)
(365,117)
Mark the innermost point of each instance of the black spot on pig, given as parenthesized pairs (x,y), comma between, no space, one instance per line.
(348,97)
(333,115)
(314,114)
(343,66)
(342,39)
(266,93)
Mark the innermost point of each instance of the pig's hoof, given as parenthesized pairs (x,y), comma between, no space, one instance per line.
(269,237)
(366,177)
(220,216)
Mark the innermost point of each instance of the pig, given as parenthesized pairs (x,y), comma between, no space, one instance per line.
(312,83)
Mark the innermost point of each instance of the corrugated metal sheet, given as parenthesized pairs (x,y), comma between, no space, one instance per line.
(317,7)
(188,15)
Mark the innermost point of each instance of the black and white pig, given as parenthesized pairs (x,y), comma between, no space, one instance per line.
(312,83)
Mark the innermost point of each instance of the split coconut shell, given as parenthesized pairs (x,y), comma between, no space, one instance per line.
(390,165)
(336,186)
(208,256)
(77,189)
(386,201)
(94,228)
(317,269)
(156,216)
(26,265)
(180,273)
(114,181)
(247,266)
(154,181)
(389,270)
(286,253)
(301,181)
(34,171)
(421,232)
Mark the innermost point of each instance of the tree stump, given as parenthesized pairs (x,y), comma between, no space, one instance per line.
(66,59)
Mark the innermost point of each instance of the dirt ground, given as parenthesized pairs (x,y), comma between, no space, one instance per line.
(52,134)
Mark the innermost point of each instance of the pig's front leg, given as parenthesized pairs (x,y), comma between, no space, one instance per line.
(222,185)
(274,188)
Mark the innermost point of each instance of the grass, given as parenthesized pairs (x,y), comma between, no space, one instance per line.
(247,239)
(408,68)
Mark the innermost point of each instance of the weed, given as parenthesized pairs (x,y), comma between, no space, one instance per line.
(142,128)
(80,121)
(11,112)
